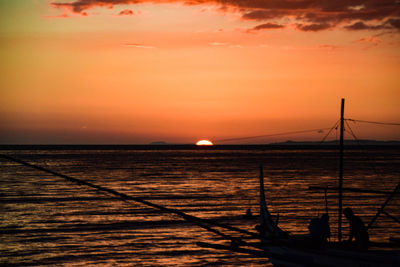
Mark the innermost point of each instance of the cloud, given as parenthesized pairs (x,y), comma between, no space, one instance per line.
(262,14)
(79,6)
(235,46)
(374,40)
(362,26)
(394,23)
(62,16)
(313,27)
(308,15)
(223,44)
(369,41)
(138,46)
(126,12)
(268,26)
(219,44)
(328,47)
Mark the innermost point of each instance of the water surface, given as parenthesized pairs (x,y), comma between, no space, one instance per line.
(46,220)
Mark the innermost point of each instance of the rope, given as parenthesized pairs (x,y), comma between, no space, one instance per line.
(363,148)
(391,195)
(374,122)
(383,206)
(290,165)
(333,127)
(195,220)
(270,135)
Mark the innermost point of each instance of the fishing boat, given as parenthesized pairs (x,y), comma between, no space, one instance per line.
(284,249)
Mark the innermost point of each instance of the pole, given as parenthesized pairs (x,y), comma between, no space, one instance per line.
(341,173)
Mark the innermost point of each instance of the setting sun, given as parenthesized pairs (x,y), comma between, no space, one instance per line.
(204,143)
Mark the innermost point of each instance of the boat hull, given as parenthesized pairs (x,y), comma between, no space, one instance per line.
(297,257)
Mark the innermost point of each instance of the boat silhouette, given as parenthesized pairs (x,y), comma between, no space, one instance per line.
(284,249)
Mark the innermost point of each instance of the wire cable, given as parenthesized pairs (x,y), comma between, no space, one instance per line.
(270,135)
(378,175)
(333,127)
(374,122)
(363,148)
(203,223)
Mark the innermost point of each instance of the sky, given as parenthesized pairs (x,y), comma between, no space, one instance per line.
(141,71)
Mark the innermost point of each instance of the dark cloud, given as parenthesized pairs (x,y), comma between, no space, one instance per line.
(362,26)
(78,6)
(126,12)
(268,26)
(308,15)
(313,27)
(262,15)
(395,23)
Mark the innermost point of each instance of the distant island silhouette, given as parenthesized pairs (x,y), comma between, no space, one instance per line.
(335,142)
(158,143)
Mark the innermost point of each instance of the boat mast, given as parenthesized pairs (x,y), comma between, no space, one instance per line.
(341,173)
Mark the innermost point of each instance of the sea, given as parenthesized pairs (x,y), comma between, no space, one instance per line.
(46,220)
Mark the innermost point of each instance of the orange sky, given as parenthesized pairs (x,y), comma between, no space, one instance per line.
(87,71)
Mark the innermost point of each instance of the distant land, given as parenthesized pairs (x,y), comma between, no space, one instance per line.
(161,145)
(336,142)
(158,143)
